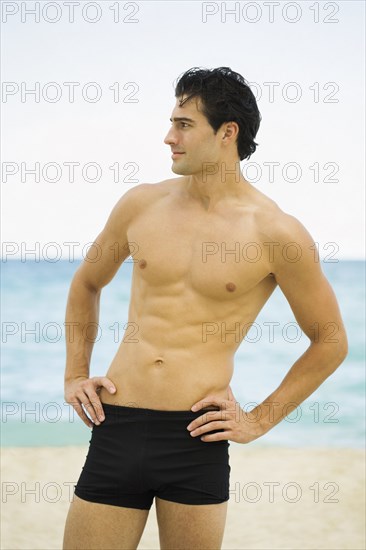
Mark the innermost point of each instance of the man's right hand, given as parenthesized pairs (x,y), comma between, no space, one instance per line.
(82,393)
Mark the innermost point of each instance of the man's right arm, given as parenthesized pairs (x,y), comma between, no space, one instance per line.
(102,262)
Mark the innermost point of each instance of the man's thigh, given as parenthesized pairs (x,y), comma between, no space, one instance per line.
(183,526)
(99,526)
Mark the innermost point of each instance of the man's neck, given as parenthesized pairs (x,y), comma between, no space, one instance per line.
(216,184)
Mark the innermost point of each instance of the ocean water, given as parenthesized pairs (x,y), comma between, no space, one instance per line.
(33,411)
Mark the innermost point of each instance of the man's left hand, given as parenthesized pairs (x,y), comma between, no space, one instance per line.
(236,424)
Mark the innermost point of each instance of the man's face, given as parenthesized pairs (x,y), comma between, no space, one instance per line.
(191,139)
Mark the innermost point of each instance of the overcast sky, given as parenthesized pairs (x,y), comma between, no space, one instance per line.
(305,63)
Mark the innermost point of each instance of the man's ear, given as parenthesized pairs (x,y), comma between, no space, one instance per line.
(230,130)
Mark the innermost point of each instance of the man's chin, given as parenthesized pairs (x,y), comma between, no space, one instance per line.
(178,170)
(181,170)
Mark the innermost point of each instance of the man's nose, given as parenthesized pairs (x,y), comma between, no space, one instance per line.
(171,137)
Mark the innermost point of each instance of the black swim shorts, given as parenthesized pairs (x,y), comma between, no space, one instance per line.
(137,454)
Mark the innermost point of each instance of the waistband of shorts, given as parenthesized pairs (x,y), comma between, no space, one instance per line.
(138,411)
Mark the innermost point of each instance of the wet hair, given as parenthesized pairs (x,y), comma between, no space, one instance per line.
(226,97)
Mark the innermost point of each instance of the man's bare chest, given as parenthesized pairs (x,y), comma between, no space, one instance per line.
(221,258)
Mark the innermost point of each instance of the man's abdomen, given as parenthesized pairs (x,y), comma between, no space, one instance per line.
(167,379)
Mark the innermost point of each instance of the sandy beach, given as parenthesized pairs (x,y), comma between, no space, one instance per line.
(280,498)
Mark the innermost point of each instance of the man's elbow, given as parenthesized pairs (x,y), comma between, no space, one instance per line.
(81,283)
(343,349)
(339,351)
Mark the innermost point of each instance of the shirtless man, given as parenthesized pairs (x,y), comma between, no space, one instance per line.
(187,291)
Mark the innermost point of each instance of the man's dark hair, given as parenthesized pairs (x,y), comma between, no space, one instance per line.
(226,97)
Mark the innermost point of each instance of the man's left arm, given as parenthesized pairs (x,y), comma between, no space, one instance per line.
(316,310)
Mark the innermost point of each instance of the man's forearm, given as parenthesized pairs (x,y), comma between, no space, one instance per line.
(317,363)
(81,328)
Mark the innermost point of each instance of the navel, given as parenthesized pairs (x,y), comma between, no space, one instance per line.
(142,264)
(230,287)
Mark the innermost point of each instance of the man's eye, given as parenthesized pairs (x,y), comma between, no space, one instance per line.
(184,125)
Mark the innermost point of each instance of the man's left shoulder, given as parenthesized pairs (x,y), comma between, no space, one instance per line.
(287,228)
(280,226)
(275,223)
(295,249)
(285,238)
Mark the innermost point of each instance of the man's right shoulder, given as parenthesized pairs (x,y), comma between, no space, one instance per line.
(143,195)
